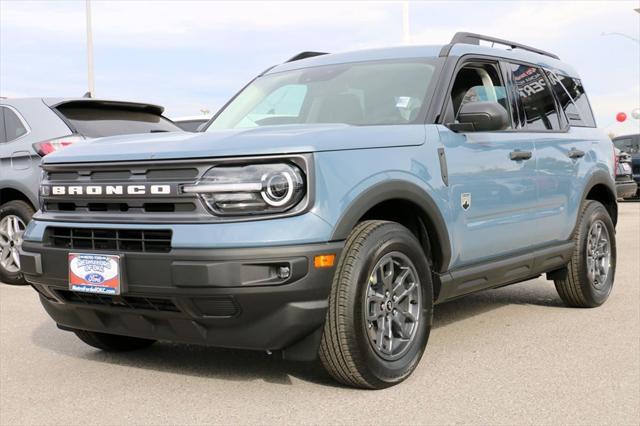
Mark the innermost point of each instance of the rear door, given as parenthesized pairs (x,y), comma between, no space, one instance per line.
(3,148)
(14,154)
(491,175)
(549,116)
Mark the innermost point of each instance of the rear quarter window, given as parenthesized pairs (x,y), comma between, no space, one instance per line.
(99,122)
(570,93)
(12,124)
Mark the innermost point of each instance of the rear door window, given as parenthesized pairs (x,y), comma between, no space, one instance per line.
(14,127)
(100,122)
(538,105)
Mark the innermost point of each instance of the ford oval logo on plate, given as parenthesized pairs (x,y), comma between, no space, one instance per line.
(94,278)
(94,273)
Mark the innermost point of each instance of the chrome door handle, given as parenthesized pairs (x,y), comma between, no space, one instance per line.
(520,155)
(575,153)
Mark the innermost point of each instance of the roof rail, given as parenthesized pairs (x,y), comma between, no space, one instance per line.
(471,38)
(305,55)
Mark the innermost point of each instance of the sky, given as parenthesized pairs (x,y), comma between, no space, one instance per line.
(194,55)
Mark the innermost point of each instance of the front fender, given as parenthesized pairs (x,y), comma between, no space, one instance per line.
(349,183)
(397,190)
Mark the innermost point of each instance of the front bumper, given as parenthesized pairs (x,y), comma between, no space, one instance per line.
(218,297)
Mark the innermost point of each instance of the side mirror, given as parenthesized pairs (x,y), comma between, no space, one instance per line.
(481,117)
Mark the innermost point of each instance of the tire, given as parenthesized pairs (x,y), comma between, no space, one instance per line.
(12,212)
(352,348)
(581,288)
(112,342)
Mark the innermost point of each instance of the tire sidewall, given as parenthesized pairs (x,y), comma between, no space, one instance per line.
(24,212)
(389,238)
(594,212)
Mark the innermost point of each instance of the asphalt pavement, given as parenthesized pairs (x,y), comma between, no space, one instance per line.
(514,355)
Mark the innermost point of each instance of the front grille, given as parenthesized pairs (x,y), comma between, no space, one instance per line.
(113,173)
(127,240)
(125,302)
(121,207)
(122,192)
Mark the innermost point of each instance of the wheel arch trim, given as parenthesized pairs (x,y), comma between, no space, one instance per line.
(397,189)
(601,177)
(19,194)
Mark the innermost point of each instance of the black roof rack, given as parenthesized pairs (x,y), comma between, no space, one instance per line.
(471,38)
(305,55)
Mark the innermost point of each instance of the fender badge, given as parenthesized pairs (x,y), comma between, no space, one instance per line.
(465,200)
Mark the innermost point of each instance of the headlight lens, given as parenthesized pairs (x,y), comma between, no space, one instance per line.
(250,189)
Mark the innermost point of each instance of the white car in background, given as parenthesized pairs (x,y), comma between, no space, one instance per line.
(31,128)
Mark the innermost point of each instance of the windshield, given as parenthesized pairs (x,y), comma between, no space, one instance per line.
(366,93)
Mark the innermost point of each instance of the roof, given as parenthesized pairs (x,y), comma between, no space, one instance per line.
(401,52)
(460,46)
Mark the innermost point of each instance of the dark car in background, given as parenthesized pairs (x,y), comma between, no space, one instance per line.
(31,128)
(630,144)
(626,187)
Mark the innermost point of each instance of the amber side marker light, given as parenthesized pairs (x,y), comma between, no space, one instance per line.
(324,261)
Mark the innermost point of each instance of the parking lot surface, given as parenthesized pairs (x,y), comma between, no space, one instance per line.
(514,355)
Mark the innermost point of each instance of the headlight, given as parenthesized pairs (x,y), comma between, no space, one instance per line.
(250,189)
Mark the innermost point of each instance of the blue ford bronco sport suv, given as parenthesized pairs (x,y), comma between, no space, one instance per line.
(330,205)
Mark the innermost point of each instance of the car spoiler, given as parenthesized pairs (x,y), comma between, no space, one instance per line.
(105,104)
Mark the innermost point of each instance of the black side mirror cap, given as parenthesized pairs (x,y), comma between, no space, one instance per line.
(481,117)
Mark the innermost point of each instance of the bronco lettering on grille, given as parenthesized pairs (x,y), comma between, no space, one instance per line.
(111,190)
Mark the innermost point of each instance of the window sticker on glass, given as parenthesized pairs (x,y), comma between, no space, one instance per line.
(402,101)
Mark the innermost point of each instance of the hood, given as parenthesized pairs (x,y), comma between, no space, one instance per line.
(288,139)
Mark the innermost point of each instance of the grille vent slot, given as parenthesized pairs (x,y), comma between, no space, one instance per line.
(125,302)
(127,240)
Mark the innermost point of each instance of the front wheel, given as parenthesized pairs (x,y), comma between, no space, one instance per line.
(14,217)
(590,273)
(380,308)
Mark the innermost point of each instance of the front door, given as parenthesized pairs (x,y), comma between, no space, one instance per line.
(491,175)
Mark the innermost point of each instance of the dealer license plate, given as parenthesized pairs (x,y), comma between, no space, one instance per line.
(94,273)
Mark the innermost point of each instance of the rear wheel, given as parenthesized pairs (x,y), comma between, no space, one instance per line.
(380,308)
(590,273)
(14,217)
(112,342)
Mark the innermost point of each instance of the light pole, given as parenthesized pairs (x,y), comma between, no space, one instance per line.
(406,36)
(89,51)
